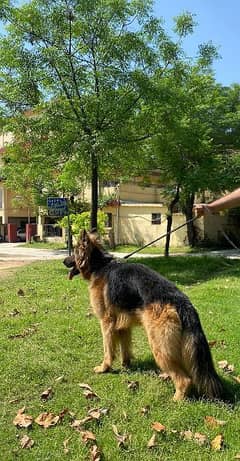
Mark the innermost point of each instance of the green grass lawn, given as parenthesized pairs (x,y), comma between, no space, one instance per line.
(46,334)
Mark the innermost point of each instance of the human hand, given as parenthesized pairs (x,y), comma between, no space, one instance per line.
(201,209)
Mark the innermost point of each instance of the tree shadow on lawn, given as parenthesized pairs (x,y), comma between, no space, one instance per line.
(189,270)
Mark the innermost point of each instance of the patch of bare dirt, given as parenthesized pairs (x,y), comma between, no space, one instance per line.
(8,268)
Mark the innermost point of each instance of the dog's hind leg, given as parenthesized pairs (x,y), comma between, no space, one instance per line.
(125,339)
(165,338)
(110,342)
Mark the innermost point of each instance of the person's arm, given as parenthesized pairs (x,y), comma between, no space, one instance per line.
(230,200)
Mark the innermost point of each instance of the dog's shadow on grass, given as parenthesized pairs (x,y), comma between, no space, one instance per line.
(231,389)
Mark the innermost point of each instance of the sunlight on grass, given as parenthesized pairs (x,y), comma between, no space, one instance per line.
(48,339)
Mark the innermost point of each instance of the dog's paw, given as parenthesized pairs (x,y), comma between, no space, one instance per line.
(102,368)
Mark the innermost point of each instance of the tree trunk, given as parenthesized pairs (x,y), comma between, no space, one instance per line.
(169,221)
(94,182)
(191,230)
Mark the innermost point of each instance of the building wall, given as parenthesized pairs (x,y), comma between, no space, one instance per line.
(132,223)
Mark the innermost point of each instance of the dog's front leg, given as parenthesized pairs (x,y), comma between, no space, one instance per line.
(110,340)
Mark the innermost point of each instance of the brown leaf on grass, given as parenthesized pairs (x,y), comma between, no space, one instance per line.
(22,420)
(237,456)
(47,394)
(14,312)
(88,436)
(79,423)
(85,386)
(133,385)
(187,435)
(145,410)
(216,342)
(225,366)
(121,438)
(158,427)
(65,446)
(47,420)
(164,376)
(88,392)
(20,292)
(213,422)
(90,395)
(26,442)
(236,378)
(152,442)
(27,332)
(95,453)
(218,443)
(201,439)
(96,413)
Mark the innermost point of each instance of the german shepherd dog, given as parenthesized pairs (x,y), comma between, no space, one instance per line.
(123,295)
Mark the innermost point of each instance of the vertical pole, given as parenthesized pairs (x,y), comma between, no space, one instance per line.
(69,232)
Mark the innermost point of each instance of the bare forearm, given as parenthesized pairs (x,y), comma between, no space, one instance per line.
(231,200)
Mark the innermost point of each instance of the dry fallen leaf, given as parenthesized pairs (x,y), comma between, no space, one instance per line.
(236,378)
(152,442)
(90,395)
(87,436)
(218,443)
(65,446)
(213,422)
(121,438)
(201,439)
(85,386)
(47,394)
(225,366)
(47,420)
(197,437)
(14,312)
(88,392)
(217,342)
(96,413)
(158,427)
(59,379)
(145,410)
(95,453)
(79,423)
(237,456)
(22,420)
(187,435)
(164,376)
(133,385)
(26,442)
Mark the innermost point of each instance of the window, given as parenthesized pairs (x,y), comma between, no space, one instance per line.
(156,218)
(109,220)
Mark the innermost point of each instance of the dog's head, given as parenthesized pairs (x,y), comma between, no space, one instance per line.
(70,263)
(80,261)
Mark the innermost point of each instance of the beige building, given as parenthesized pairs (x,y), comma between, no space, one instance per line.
(137,215)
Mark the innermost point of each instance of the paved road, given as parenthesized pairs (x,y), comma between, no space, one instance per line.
(17,252)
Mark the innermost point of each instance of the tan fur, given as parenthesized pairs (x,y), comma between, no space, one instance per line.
(163,328)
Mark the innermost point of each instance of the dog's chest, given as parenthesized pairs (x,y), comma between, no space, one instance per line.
(97,293)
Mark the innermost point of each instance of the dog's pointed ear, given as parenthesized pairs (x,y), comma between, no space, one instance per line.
(84,236)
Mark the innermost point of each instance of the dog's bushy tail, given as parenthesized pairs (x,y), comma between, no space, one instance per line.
(199,364)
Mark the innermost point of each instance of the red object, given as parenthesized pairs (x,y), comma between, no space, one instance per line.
(12,233)
(31,230)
